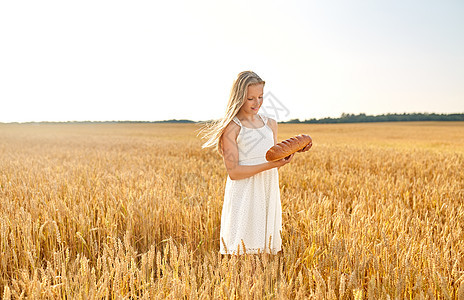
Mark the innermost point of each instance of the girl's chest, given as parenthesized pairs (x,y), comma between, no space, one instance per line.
(256,125)
(255,140)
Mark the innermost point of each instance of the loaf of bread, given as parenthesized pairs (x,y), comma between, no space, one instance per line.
(287,147)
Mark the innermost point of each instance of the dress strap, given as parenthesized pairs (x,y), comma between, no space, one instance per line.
(236,120)
(264,118)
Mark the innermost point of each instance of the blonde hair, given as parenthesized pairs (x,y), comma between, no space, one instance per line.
(213,130)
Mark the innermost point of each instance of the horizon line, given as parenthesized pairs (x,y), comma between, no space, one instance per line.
(343,115)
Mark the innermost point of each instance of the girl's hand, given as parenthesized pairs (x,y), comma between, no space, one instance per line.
(306,148)
(284,161)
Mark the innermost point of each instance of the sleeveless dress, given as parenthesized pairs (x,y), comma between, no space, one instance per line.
(252,213)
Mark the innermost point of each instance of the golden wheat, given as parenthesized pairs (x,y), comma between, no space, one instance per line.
(133,211)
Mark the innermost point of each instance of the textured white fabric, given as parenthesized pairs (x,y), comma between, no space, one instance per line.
(252,211)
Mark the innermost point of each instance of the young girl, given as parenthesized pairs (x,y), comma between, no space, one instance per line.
(251,219)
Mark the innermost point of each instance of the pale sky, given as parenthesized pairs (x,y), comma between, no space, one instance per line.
(157,60)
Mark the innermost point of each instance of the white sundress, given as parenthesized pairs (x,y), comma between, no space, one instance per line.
(252,210)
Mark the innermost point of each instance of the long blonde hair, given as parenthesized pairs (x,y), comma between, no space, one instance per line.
(213,130)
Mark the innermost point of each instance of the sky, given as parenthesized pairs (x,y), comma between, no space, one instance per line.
(159,60)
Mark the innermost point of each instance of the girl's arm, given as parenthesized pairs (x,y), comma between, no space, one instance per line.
(273,125)
(230,151)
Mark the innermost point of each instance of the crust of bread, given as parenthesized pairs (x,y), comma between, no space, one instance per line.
(287,147)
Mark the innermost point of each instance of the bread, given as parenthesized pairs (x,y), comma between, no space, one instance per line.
(287,147)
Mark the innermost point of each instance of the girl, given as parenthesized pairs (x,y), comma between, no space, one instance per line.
(251,219)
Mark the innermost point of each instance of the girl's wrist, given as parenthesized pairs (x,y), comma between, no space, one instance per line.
(273,164)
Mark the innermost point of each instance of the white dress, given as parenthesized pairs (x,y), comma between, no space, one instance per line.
(252,211)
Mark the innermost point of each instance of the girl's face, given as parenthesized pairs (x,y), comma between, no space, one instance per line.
(254,99)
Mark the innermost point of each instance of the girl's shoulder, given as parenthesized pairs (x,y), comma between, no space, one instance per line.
(234,123)
(229,136)
(270,121)
(265,117)
(232,129)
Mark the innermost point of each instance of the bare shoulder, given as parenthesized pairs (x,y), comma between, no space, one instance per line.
(231,132)
(232,127)
(272,123)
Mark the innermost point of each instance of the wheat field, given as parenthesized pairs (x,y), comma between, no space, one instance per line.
(125,211)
